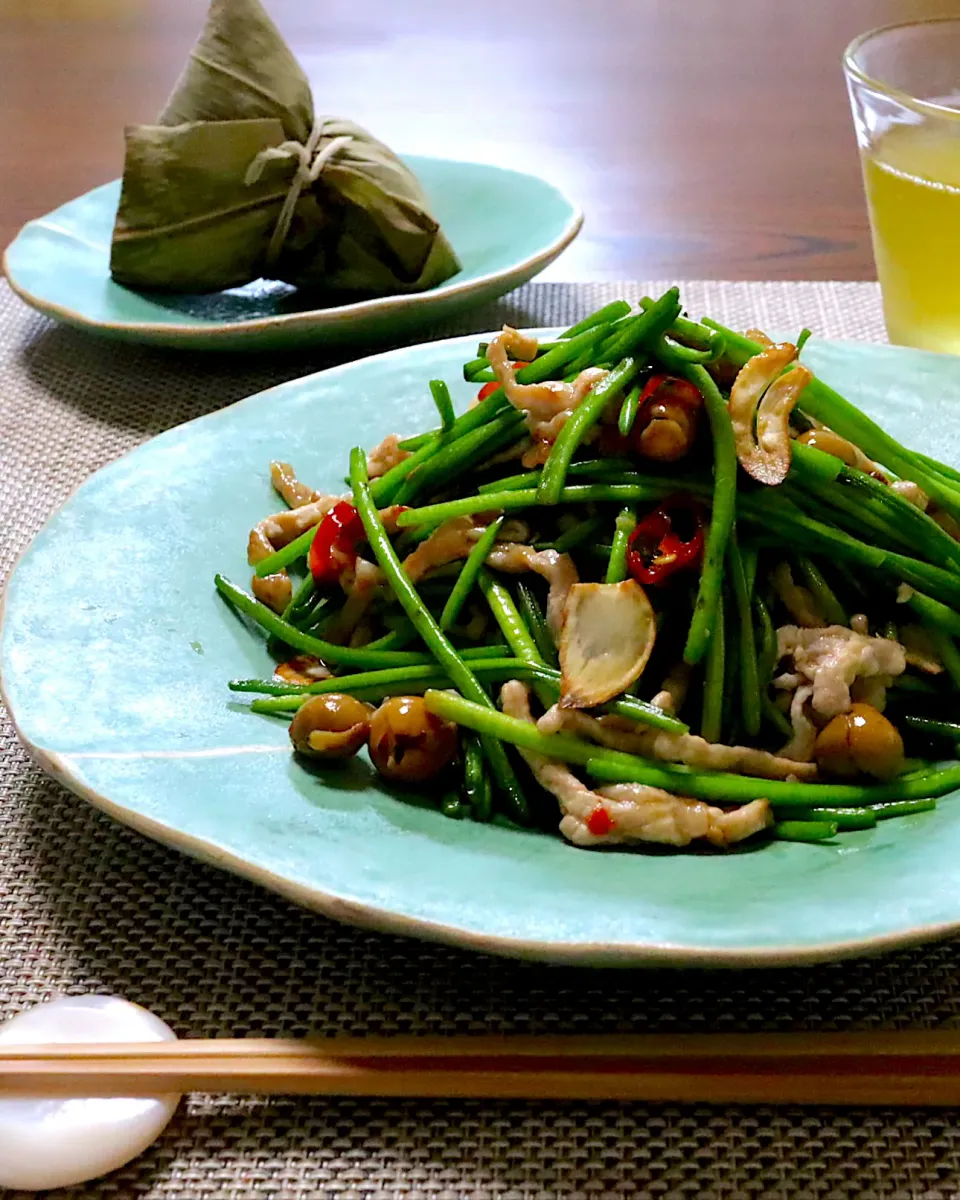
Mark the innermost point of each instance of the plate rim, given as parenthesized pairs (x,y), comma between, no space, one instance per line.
(363,915)
(359,915)
(315,318)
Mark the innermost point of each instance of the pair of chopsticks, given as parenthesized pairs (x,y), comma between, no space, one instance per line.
(912,1068)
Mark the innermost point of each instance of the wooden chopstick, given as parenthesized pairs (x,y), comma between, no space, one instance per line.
(913,1068)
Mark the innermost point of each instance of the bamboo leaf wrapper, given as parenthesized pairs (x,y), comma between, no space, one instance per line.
(240,179)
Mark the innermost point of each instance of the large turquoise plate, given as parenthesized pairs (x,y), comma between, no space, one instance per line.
(505,226)
(115,650)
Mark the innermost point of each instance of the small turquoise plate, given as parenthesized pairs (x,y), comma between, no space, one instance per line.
(505,226)
(115,653)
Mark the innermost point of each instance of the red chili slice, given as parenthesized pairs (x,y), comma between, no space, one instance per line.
(334,546)
(656,550)
(599,822)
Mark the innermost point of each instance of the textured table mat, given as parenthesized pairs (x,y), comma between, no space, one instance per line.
(86,905)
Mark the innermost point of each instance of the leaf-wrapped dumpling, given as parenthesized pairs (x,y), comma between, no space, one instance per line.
(240,180)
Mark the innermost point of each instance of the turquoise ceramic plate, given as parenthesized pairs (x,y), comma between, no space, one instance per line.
(505,226)
(116,651)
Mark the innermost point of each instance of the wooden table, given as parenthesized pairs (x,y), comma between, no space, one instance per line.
(703,138)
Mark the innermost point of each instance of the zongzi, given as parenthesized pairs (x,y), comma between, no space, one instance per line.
(241,180)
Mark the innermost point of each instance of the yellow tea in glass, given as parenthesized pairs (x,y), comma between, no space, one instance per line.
(904,84)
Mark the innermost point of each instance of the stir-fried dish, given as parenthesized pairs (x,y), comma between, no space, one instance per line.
(657,584)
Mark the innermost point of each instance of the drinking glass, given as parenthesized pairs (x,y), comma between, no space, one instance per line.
(904,83)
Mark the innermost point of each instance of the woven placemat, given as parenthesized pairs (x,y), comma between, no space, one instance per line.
(86,905)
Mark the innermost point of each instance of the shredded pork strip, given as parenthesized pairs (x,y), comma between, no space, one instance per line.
(647,814)
(275,591)
(448,543)
(801,745)
(386,456)
(279,529)
(293,492)
(557,569)
(360,584)
(673,690)
(630,812)
(547,405)
(797,600)
(454,539)
(919,649)
(687,748)
(828,669)
(831,659)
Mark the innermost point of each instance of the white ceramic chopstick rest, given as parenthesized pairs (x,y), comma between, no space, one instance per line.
(57,1143)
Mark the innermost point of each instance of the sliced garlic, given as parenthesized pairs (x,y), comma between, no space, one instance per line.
(761,401)
(608,634)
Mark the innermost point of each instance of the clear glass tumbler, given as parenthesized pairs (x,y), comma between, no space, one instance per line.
(904,83)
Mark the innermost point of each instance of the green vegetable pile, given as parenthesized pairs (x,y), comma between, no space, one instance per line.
(852,539)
